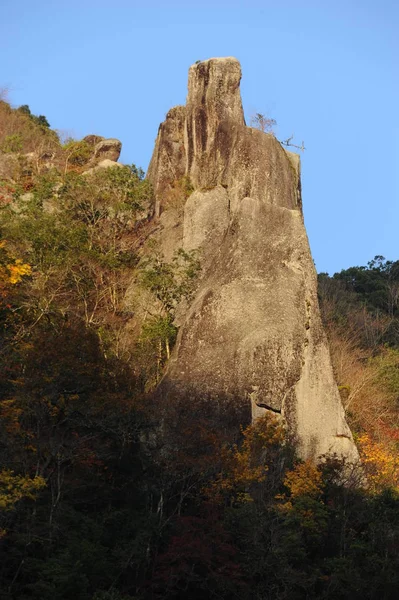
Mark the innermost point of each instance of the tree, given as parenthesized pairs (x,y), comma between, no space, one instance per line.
(263,123)
(169,283)
(245,466)
(83,249)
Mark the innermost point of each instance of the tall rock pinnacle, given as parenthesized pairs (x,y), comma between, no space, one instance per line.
(253,330)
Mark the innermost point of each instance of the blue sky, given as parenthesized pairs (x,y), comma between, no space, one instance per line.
(327,71)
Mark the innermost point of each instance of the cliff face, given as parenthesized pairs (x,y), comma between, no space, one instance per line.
(253,330)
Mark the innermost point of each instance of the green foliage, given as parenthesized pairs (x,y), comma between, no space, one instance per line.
(31,138)
(114,193)
(79,234)
(157,337)
(376,284)
(46,185)
(360,313)
(388,369)
(78,152)
(170,282)
(38,120)
(11,143)
(42,121)
(24,109)
(177,196)
(186,186)
(366,297)
(159,330)
(107,494)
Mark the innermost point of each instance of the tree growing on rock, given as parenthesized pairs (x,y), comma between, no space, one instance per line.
(263,123)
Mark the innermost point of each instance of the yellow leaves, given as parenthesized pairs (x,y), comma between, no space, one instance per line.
(303,481)
(15,487)
(245,465)
(13,272)
(263,433)
(380,463)
(18,270)
(303,503)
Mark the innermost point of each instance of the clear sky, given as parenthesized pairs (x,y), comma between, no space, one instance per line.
(326,70)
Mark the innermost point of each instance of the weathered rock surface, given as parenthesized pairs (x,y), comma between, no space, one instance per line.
(8,166)
(253,329)
(107,149)
(168,163)
(103,164)
(93,139)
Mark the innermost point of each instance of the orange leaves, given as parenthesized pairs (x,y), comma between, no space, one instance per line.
(381,464)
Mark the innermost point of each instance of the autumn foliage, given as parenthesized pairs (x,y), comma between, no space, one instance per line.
(380,462)
(245,465)
(110,492)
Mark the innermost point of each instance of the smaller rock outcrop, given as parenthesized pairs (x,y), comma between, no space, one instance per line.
(107,149)
(104,164)
(92,139)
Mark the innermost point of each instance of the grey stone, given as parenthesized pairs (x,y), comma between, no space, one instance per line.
(168,163)
(92,139)
(103,164)
(253,329)
(107,149)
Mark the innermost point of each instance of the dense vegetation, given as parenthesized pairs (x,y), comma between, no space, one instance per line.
(360,308)
(105,495)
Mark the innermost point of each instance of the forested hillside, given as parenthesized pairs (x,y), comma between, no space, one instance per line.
(106,494)
(360,308)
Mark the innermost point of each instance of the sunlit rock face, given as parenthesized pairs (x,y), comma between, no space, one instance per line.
(253,330)
(107,149)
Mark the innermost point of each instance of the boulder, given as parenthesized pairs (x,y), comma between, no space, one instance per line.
(107,149)
(92,139)
(104,164)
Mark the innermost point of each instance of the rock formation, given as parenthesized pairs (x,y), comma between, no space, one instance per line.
(253,329)
(108,149)
(104,164)
(103,149)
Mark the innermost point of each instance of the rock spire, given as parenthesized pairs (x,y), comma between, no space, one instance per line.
(253,329)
